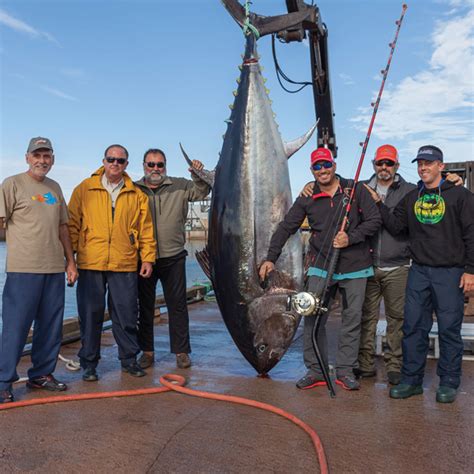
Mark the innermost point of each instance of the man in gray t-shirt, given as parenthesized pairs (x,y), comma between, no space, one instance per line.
(33,210)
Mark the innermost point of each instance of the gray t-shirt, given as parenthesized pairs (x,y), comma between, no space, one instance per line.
(33,211)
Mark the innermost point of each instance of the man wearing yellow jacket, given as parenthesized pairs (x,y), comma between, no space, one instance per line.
(111,229)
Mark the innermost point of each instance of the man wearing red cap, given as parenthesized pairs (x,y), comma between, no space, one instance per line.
(324,210)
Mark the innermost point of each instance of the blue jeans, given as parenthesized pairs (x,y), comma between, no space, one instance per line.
(433,289)
(29,297)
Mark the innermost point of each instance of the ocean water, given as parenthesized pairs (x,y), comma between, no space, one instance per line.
(194,275)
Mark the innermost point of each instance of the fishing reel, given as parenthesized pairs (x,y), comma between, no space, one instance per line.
(305,304)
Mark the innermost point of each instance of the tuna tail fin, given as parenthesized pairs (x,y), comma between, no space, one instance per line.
(206,175)
(292,147)
(265,24)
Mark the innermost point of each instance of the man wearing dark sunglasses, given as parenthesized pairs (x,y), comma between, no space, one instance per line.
(439,219)
(168,200)
(324,209)
(111,229)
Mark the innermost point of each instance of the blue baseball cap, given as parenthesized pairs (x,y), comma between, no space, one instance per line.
(429,153)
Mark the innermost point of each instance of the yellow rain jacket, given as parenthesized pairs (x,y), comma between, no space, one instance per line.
(107,242)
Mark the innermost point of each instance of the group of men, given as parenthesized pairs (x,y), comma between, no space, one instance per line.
(412,245)
(116,238)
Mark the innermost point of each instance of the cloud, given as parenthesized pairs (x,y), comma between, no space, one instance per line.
(434,105)
(346,79)
(22,27)
(59,93)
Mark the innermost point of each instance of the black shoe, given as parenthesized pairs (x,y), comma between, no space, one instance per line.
(446,394)
(347,382)
(146,360)
(6,396)
(90,375)
(134,369)
(183,361)
(405,390)
(310,381)
(364,374)
(47,382)
(394,378)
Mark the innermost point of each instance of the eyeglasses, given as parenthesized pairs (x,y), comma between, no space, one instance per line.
(152,164)
(319,166)
(120,161)
(388,163)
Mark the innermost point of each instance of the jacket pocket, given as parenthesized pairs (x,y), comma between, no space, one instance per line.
(133,237)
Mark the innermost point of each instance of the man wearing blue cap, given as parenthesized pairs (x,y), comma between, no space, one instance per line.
(439,219)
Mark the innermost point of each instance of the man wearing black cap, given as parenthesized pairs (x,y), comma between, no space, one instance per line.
(32,207)
(439,219)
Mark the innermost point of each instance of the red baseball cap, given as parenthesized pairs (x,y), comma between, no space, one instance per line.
(321,154)
(386,152)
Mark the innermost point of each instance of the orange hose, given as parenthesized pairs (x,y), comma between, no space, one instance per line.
(172,382)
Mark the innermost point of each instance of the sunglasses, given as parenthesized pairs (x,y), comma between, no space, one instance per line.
(388,163)
(158,164)
(120,161)
(320,165)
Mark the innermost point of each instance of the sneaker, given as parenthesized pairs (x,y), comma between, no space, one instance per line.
(310,381)
(364,374)
(47,382)
(6,396)
(347,382)
(133,369)
(146,360)
(394,378)
(183,361)
(90,375)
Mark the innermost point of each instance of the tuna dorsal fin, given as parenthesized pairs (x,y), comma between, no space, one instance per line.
(292,147)
(265,24)
(206,175)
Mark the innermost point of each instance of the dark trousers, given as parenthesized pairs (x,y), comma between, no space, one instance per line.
(121,289)
(171,271)
(29,297)
(433,289)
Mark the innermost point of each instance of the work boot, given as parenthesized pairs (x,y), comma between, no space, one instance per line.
(90,375)
(183,361)
(347,382)
(364,374)
(446,394)
(147,359)
(6,396)
(47,382)
(133,369)
(394,378)
(310,381)
(404,390)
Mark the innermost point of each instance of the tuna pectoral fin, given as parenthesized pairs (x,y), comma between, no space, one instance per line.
(292,147)
(206,175)
(265,24)
(204,262)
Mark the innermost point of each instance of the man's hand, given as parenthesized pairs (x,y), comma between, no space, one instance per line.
(307,191)
(341,240)
(196,165)
(467,282)
(146,269)
(455,179)
(71,273)
(266,268)
(372,192)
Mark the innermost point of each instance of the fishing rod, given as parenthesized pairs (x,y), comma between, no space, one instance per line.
(317,304)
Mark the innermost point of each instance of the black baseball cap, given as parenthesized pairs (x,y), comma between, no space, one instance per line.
(37,143)
(429,153)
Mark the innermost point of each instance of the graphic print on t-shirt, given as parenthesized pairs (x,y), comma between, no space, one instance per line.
(430,208)
(47,198)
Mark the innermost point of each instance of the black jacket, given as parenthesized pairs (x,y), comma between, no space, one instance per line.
(391,250)
(440,225)
(324,216)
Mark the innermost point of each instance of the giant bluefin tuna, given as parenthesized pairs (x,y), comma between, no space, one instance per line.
(251,195)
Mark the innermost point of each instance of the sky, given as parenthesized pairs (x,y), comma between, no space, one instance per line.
(146,73)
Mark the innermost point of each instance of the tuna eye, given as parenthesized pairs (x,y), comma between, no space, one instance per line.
(262,347)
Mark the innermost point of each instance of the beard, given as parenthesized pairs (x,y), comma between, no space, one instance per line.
(154,178)
(384,176)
